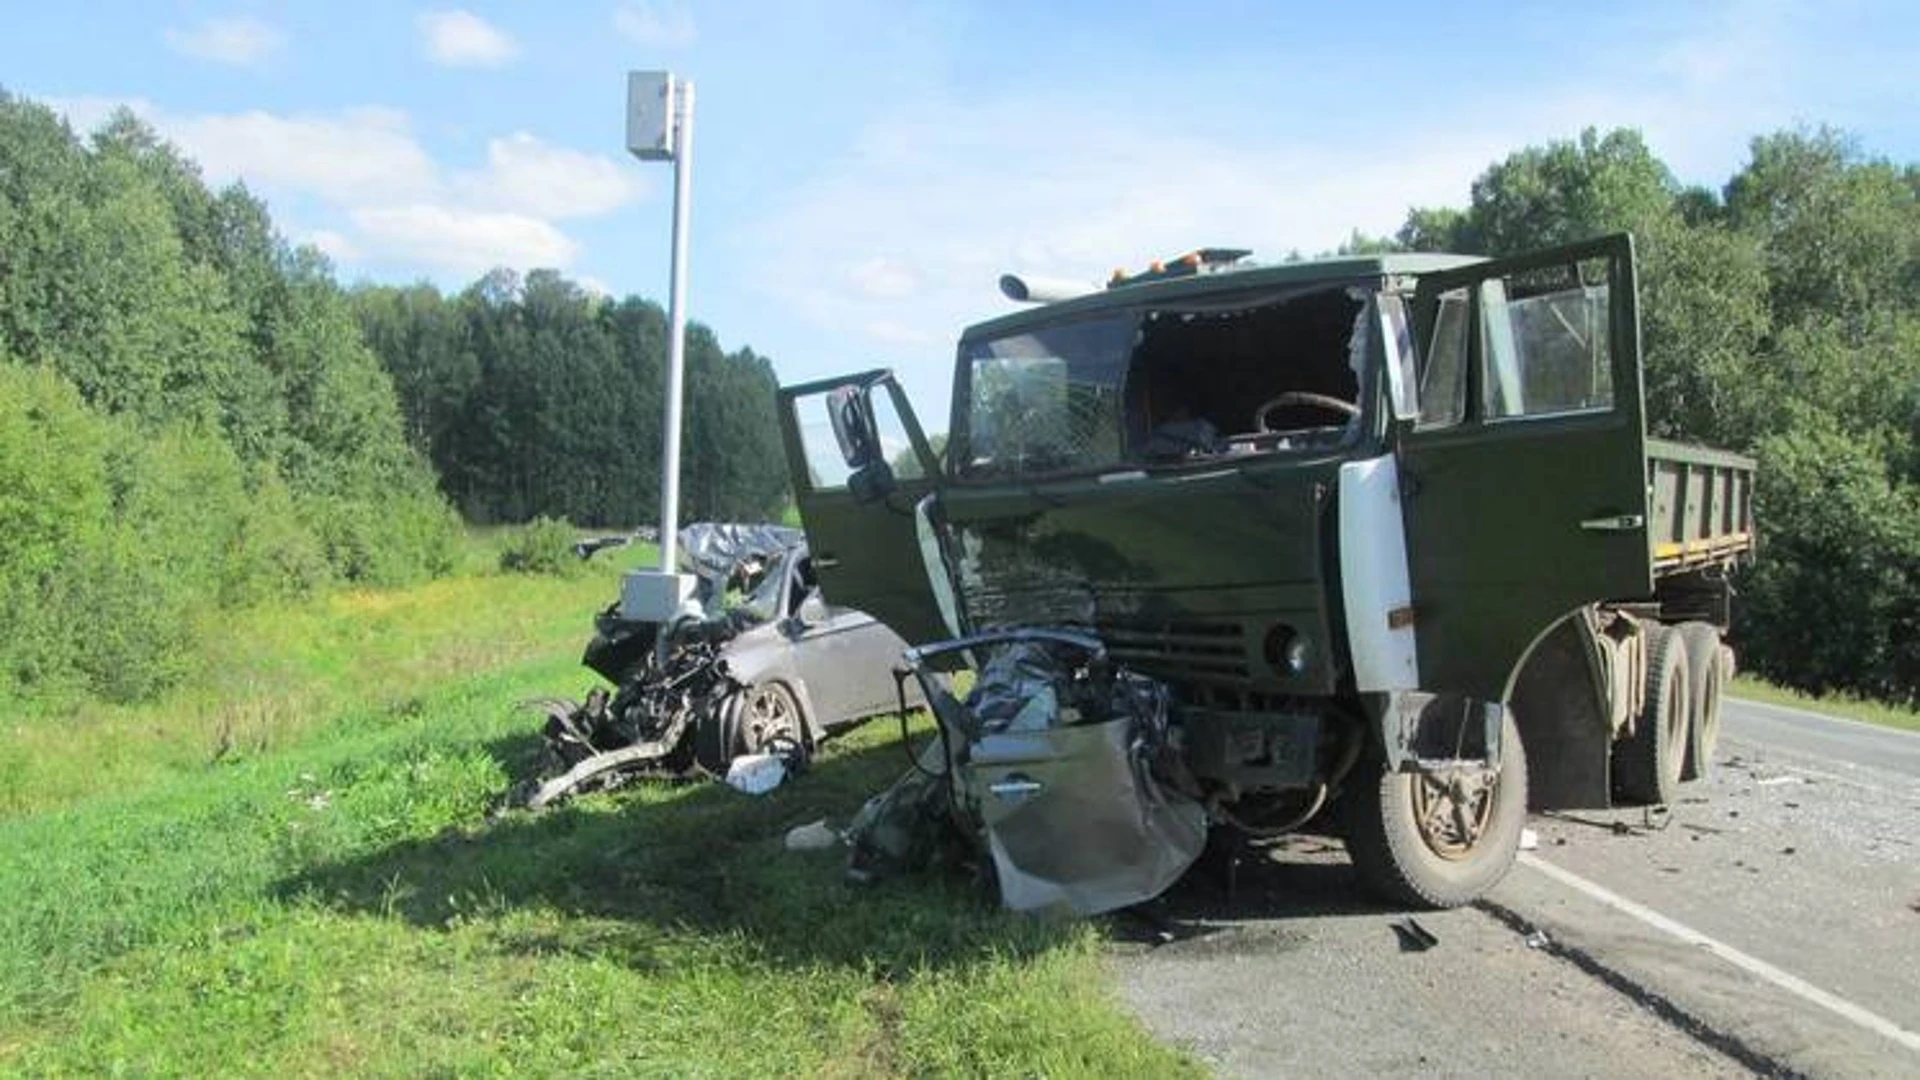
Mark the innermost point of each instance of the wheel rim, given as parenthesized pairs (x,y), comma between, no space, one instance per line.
(769,713)
(1452,811)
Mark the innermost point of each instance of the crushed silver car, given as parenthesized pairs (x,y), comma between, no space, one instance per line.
(1059,765)
(762,663)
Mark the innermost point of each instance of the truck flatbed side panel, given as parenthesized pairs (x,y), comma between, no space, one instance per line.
(1701,505)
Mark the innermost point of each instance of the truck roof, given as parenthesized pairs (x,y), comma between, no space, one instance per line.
(1174,289)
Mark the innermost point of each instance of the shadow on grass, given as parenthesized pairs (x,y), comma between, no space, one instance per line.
(660,862)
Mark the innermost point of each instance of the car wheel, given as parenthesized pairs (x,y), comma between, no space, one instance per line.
(762,716)
(769,716)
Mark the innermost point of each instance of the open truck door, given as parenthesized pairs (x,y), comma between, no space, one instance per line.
(1524,476)
(860,465)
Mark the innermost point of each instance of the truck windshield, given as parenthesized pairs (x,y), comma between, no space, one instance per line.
(1154,386)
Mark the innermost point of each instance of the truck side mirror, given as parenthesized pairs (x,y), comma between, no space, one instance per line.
(871,482)
(853,427)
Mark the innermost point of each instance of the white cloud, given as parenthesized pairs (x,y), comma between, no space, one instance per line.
(397,207)
(461,242)
(462,39)
(668,26)
(525,173)
(360,155)
(332,244)
(242,41)
(883,278)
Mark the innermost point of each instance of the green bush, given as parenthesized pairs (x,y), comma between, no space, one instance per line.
(542,546)
(1833,601)
(53,521)
(118,540)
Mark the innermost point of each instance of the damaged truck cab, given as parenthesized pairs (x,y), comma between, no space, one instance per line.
(1389,528)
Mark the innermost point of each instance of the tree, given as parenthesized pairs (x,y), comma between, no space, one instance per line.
(1783,321)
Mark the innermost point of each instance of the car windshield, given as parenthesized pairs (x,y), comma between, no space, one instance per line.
(1164,385)
(762,600)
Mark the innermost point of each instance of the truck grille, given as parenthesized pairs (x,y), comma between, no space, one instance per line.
(1187,650)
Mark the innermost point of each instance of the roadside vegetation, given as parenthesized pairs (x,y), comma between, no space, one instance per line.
(1865,710)
(292,867)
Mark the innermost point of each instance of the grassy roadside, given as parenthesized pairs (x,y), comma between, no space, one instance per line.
(1870,712)
(327,894)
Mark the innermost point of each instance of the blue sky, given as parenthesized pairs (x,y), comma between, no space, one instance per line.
(864,171)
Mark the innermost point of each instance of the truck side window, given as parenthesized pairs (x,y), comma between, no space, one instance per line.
(1547,345)
(1443,380)
(826,469)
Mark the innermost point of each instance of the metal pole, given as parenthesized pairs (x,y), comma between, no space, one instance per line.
(676,332)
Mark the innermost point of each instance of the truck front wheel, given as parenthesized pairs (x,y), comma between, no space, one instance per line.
(1440,840)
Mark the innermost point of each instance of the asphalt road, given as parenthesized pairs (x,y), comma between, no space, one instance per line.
(1768,923)
(1821,738)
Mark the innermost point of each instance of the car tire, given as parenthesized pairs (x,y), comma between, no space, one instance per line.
(753,718)
(1393,842)
(1648,762)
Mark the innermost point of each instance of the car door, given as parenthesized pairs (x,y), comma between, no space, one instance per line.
(866,551)
(1524,477)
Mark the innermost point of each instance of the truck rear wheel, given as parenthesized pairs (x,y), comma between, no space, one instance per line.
(1440,840)
(1647,763)
(1706,665)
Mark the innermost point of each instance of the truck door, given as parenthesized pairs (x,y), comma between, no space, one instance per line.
(1524,474)
(861,529)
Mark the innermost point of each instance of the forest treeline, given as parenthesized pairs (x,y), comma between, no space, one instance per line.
(196,416)
(1780,316)
(532,396)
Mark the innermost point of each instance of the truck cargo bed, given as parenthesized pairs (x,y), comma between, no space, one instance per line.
(1701,506)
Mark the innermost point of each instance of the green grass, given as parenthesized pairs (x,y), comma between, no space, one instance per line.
(1871,712)
(294,869)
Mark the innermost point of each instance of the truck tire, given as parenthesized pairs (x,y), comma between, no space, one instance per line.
(1647,763)
(1407,847)
(1706,665)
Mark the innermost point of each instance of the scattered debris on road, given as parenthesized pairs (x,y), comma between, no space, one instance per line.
(1538,939)
(1414,937)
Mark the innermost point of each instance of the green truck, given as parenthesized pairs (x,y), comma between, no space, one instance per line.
(1390,528)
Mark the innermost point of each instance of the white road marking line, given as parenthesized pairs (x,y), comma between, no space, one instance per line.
(1791,983)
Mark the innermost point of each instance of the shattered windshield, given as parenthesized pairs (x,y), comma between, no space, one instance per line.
(762,600)
(1048,400)
(1249,374)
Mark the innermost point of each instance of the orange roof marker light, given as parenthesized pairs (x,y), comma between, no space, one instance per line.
(1208,260)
